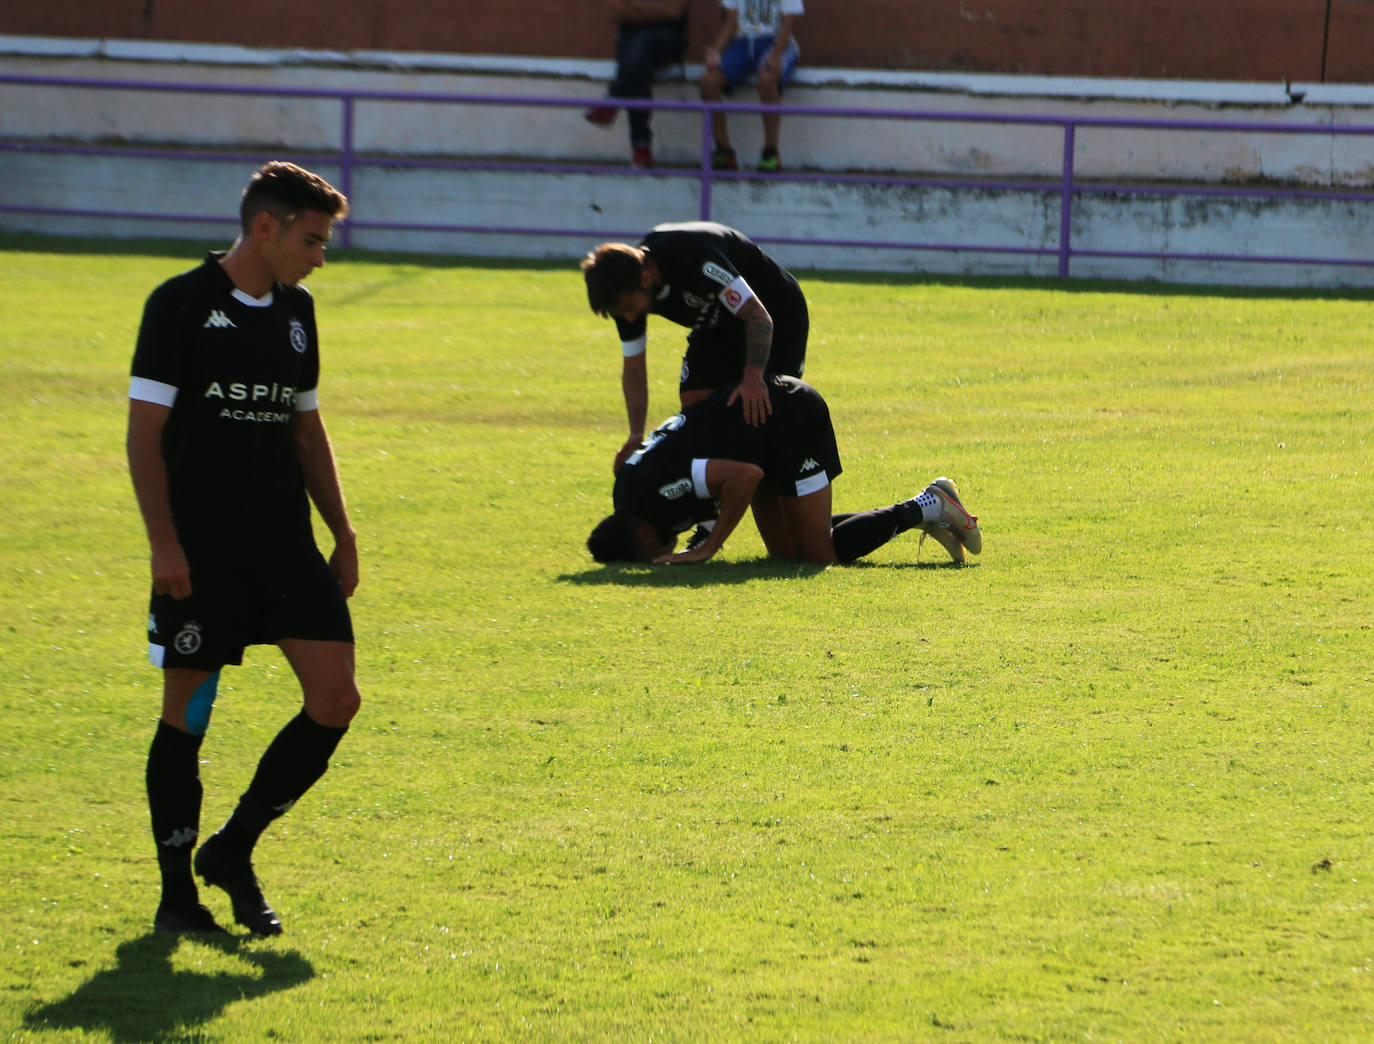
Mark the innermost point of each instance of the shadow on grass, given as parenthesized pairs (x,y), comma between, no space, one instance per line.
(145,998)
(715,574)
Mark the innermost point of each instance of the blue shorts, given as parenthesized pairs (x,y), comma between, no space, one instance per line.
(230,609)
(742,58)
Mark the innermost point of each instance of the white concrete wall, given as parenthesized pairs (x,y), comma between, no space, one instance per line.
(613,204)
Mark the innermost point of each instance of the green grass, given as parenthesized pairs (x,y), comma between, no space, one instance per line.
(1110,783)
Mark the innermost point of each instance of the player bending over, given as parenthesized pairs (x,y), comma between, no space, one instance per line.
(709,462)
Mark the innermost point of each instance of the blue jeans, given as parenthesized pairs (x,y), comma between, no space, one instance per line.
(639,51)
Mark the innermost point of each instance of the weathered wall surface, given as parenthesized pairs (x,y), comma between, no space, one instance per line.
(1263,40)
(114,190)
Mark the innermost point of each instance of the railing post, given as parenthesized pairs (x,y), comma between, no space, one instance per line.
(346,165)
(705,210)
(1066,203)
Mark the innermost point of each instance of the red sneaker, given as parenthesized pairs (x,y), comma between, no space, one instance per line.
(601,116)
(643,157)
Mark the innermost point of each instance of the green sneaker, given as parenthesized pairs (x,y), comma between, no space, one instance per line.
(724,159)
(770,163)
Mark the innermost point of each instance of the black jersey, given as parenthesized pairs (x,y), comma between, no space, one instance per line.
(664,481)
(708,272)
(234,372)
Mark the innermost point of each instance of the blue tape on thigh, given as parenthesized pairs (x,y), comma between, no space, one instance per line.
(202,700)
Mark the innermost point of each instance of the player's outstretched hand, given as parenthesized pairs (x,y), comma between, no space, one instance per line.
(753,394)
(700,553)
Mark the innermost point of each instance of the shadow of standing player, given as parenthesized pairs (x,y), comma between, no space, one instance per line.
(144,998)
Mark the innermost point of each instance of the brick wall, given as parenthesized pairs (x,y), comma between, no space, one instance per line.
(1304,40)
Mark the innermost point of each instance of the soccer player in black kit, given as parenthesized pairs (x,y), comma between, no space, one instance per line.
(747,315)
(227,451)
(707,461)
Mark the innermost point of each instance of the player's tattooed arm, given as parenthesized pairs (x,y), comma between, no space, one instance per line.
(758,334)
(752,393)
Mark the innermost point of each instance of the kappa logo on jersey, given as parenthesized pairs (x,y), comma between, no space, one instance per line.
(713,271)
(810,464)
(298,339)
(219,321)
(675,490)
(187,641)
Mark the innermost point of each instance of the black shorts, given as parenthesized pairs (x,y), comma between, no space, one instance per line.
(230,609)
(715,357)
(802,454)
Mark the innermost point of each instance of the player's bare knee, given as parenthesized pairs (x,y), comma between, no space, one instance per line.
(335,706)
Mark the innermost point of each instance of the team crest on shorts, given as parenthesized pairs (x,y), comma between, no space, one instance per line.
(298,341)
(187,641)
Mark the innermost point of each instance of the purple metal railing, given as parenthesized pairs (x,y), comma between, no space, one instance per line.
(348,160)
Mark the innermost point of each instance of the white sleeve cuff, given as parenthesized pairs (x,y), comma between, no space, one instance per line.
(699,478)
(308,400)
(146,390)
(635,347)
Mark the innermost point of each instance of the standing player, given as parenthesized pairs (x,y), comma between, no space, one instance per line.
(706,462)
(746,313)
(226,451)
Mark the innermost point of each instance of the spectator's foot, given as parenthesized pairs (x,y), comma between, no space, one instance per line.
(770,162)
(235,875)
(600,116)
(643,157)
(724,159)
(185,917)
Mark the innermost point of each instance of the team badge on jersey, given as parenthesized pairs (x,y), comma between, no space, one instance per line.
(298,340)
(187,641)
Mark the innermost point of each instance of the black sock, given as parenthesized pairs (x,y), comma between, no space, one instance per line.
(174,795)
(290,766)
(858,534)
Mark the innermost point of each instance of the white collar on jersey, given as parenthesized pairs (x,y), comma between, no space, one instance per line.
(252,302)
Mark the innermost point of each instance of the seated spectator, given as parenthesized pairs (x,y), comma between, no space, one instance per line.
(755,40)
(651,34)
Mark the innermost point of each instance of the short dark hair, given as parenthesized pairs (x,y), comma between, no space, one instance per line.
(615,539)
(285,191)
(611,270)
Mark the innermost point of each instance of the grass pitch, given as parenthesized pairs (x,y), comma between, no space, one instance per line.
(1109,783)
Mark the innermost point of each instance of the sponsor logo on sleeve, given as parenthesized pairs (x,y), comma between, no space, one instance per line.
(713,271)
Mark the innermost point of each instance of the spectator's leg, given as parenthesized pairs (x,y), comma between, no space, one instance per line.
(770,93)
(640,50)
(713,84)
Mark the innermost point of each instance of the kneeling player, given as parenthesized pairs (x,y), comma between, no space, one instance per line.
(707,462)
